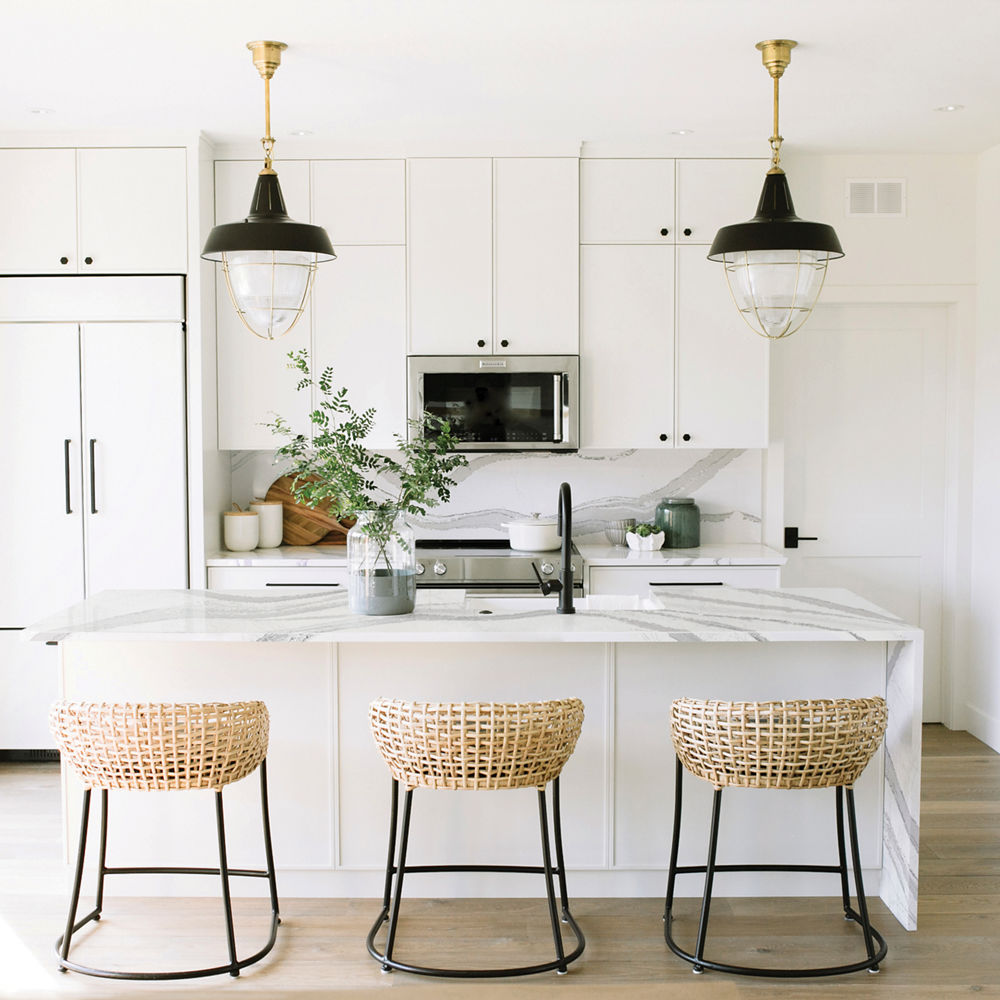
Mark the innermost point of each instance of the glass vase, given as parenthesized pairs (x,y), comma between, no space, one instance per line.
(381,564)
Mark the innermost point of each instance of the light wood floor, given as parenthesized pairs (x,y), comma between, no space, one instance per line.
(321,953)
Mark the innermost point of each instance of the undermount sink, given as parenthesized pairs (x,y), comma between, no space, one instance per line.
(603,602)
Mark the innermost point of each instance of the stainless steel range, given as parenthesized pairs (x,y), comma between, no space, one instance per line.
(488,566)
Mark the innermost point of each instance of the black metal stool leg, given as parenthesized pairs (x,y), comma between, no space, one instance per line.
(77,880)
(549,885)
(400,870)
(845,889)
(227,902)
(859,882)
(272,881)
(675,841)
(706,902)
(102,867)
(560,863)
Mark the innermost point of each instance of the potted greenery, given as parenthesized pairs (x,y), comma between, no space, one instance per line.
(376,489)
(644,538)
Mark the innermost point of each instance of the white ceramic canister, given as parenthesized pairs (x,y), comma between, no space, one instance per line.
(271,515)
(534,534)
(240,530)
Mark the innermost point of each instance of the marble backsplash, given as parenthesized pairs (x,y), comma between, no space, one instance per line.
(496,487)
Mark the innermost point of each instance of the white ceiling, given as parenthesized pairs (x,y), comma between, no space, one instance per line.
(865,78)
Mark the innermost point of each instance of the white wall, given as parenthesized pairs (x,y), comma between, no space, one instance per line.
(983,681)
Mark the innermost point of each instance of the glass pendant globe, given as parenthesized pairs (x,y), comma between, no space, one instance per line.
(269,288)
(775,290)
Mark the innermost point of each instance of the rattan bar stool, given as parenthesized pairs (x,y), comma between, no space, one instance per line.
(776,744)
(159,747)
(475,746)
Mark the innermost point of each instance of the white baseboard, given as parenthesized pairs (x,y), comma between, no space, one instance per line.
(983,726)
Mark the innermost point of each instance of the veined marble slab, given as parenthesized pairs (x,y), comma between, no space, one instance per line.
(600,553)
(287,555)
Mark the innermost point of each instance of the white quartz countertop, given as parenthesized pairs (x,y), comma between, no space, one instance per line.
(597,553)
(686,614)
(287,555)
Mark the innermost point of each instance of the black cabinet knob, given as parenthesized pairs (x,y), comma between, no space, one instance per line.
(686,437)
(505,343)
(663,437)
(664,232)
(480,343)
(64,260)
(88,260)
(687,232)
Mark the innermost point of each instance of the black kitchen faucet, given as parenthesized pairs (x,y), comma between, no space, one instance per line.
(564,585)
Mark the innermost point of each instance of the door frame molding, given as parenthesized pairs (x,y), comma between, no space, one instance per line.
(960,308)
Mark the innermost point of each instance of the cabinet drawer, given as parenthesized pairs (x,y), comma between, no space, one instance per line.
(259,577)
(625,580)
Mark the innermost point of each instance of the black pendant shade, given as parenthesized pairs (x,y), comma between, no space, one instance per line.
(776,227)
(268,227)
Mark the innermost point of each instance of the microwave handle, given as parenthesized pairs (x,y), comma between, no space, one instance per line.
(557,407)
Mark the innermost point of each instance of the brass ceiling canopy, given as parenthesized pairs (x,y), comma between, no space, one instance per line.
(267,56)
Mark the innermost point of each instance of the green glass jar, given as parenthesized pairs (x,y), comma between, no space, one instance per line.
(680,521)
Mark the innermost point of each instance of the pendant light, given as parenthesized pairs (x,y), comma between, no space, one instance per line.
(268,259)
(775,263)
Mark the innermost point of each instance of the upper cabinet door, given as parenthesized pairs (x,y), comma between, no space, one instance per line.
(254,380)
(38,234)
(722,365)
(360,202)
(359,307)
(132,211)
(536,264)
(716,193)
(450,255)
(627,201)
(42,514)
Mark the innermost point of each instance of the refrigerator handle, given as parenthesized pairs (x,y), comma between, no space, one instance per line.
(93,484)
(66,443)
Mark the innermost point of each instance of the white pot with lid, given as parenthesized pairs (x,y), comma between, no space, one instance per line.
(534,534)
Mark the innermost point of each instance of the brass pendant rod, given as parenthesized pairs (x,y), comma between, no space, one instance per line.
(268,140)
(776,139)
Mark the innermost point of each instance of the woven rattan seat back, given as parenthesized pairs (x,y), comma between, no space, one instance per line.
(476,745)
(145,746)
(777,744)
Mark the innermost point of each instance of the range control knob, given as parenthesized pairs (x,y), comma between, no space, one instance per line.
(421,569)
(548,568)
(439,568)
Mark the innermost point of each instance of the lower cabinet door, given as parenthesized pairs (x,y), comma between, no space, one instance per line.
(625,580)
(29,683)
(259,577)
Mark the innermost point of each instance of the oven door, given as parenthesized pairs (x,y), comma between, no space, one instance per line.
(500,403)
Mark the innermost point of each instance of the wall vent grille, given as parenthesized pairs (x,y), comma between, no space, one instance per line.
(880,196)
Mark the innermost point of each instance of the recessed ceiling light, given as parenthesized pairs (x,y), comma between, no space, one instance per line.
(42,111)
(300,131)
(951,107)
(682,131)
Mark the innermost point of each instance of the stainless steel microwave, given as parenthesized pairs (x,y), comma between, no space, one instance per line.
(500,403)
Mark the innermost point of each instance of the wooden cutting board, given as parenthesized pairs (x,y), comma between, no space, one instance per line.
(304,525)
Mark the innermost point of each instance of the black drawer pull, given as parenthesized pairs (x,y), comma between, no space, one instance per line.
(66,444)
(301,584)
(690,583)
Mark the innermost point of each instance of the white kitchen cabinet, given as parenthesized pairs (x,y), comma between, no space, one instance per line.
(254,380)
(359,307)
(626,346)
(627,201)
(260,577)
(360,202)
(95,431)
(493,251)
(722,365)
(96,211)
(450,255)
(651,579)
(715,193)
(536,261)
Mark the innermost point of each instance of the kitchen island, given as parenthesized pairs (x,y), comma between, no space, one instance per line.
(317,667)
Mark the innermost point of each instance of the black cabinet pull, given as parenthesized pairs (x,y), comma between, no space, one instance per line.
(664,232)
(663,437)
(301,584)
(64,260)
(505,343)
(66,444)
(480,343)
(93,483)
(685,437)
(687,232)
(792,538)
(690,583)
(88,260)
